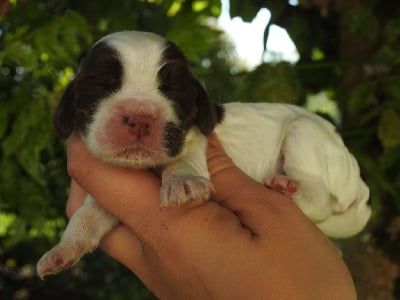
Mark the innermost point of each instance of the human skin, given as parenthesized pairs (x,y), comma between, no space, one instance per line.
(247,242)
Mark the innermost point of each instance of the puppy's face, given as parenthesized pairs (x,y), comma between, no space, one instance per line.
(133,100)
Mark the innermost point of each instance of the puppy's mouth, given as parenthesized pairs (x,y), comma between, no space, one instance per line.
(127,149)
(134,153)
(136,156)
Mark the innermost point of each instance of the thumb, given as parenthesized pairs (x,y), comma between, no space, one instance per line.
(255,205)
(229,181)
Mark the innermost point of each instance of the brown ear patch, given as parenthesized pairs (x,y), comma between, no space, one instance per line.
(100,75)
(178,84)
(64,115)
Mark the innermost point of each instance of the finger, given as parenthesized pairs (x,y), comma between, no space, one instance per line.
(78,158)
(75,198)
(218,161)
(227,179)
(123,245)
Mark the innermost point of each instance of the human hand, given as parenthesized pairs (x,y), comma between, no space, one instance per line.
(247,242)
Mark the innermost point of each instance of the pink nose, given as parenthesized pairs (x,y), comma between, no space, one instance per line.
(138,126)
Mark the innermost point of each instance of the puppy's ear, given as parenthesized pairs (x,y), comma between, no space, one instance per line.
(64,114)
(178,83)
(206,118)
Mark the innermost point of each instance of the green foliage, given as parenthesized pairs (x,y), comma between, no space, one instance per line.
(33,61)
(389,128)
(352,52)
(362,22)
(275,82)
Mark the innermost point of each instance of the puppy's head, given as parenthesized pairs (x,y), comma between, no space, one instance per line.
(134,99)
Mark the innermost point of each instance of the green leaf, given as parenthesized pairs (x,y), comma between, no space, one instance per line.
(13,141)
(196,42)
(212,8)
(272,83)
(277,8)
(387,54)
(19,131)
(29,156)
(391,86)
(360,96)
(392,30)
(6,220)
(362,22)
(391,157)
(3,120)
(247,10)
(60,39)
(21,54)
(389,128)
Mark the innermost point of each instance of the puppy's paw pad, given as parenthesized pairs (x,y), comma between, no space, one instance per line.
(61,257)
(181,189)
(282,184)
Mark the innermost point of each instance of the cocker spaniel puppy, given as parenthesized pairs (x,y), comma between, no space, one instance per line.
(136,103)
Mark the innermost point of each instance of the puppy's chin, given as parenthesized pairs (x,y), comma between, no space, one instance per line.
(137,158)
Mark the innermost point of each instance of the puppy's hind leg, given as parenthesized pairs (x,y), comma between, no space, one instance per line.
(83,234)
(305,153)
(282,184)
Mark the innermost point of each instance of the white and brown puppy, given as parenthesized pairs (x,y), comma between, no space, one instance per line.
(135,103)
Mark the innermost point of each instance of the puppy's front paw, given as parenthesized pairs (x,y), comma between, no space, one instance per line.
(62,257)
(178,190)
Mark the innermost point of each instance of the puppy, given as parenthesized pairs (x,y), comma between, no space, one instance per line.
(135,103)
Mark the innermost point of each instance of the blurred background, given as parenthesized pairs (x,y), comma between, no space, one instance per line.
(339,58)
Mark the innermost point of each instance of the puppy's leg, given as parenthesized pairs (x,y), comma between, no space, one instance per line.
(306,161)
(83,234)
(307,193)
(282,184)
(182,183)
(187,178)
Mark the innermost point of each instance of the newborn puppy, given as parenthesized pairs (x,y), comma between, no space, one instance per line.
(135,103)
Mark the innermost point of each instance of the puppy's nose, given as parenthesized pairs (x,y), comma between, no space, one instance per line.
(138,126)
